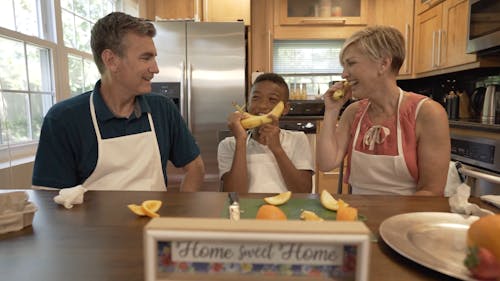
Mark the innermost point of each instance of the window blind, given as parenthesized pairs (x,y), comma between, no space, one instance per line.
(307,57)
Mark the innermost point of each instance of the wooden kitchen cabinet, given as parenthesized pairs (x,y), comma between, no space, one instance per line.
(170,9)
(226,10)
(331,12)
(385,10)
(440,37)
(423,5)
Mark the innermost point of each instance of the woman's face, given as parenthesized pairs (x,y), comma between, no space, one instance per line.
(360,70)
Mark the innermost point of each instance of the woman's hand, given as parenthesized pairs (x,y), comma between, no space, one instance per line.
(333,104)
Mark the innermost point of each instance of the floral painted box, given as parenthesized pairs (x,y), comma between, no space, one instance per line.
(220,249)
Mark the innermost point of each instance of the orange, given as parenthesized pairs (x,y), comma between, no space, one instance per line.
(485,232)
(346,213)
(270,212)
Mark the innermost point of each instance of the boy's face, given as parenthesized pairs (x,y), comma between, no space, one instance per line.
(264,96)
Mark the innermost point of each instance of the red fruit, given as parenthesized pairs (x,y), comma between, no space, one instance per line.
(482,263)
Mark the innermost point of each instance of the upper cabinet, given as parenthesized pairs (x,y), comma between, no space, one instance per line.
(424,5)
(385,10)
(440,37)
(170,9)
(226,10)
(336,12)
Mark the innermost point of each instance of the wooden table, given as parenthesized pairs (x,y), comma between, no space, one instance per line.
(102,240)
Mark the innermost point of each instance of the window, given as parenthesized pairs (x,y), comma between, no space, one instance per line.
(83,74)
(308,64)
(30,54)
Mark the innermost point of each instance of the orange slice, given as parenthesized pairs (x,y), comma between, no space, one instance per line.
(328,201)
(310,216)
(279,199)
(150,207)
(136,209)
(346,213)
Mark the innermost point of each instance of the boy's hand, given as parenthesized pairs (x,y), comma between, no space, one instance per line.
(234,124)
(269,134)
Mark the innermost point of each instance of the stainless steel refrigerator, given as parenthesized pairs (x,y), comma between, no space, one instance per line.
(202,68)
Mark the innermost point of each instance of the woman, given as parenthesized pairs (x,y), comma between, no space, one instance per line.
(396,142)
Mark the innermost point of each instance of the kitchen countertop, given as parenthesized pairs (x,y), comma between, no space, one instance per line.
(102,240)
(474,124)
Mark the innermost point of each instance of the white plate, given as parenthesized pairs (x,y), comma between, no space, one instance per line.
(435,240)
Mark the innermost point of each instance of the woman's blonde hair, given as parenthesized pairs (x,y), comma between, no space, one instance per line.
(379,42)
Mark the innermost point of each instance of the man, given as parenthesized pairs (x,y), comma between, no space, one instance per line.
(267,159)
(118,136)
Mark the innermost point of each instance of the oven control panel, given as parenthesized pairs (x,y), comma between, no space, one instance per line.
(473,150)
(479,149)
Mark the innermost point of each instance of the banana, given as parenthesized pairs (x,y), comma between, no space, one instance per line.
(338,94)
(257,120)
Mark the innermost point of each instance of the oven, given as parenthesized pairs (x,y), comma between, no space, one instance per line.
(483,34)
(479,151)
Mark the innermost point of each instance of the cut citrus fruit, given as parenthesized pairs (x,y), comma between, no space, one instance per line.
(136,209)
(346,213)
(270,212)
(310,216)
(279,199)
(150,207)
(329,202)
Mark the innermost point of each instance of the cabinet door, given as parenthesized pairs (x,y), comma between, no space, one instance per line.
(427,43)
(303,12)
(177,9)
(454,28)
(423,5)
(385,10)
(226,10)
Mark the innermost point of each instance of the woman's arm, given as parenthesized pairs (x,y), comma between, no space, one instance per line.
(333,138)
(433,149)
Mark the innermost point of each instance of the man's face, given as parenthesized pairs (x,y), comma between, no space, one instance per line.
(264,96)
(138,65)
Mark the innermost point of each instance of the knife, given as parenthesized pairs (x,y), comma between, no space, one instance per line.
(233,198)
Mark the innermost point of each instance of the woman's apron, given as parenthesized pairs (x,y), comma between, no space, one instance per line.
(380,174)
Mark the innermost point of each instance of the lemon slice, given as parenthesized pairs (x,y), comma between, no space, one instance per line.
(329,202)
(310,216)
(279,199)
(150,207)
(136,209)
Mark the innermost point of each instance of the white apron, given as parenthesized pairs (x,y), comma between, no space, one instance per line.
(263,172)
(380,174)
(129,162)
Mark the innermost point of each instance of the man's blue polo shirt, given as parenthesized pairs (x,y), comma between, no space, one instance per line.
(67,150)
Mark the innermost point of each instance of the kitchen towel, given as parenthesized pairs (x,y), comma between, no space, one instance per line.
(459,203)
(70,196)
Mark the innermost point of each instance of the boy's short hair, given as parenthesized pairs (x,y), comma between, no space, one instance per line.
(276,79)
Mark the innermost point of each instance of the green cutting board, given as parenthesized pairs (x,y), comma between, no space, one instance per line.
(292,208)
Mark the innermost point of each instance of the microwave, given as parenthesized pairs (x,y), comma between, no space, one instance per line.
(483,34)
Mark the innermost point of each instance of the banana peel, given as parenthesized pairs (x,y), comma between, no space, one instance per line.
(338,94)
(253,121)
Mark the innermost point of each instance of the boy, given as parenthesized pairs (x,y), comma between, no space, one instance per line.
(265,159)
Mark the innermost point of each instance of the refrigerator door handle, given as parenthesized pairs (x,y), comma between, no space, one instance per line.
(182,102)
(189,117)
